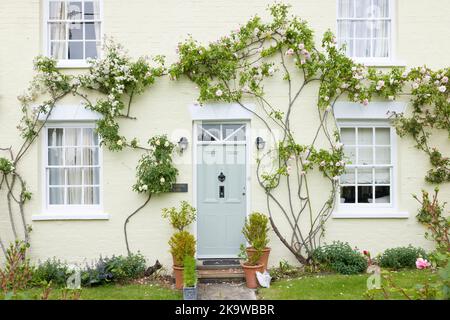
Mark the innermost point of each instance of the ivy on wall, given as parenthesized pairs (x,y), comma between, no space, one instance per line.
(233,69)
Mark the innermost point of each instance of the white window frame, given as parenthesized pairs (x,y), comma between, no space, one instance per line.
(373,210)
(67,63)
(374,61)
(68,212)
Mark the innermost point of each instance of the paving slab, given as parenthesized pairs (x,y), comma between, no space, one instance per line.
(225,291)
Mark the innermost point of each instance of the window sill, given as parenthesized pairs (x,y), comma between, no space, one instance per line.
(380,62)
(70,216)
(370,214)
(72,64)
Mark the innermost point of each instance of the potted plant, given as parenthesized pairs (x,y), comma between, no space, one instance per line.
(181,243)
(251,265)
(256,231)
(189,278)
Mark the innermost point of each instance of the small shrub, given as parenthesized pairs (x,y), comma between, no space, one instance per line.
(256,230)
(182,244)
(180,219)
(114,269)
(51,270)
(401,257)
(340,257)
(189,273)
(16,274)
(284,270)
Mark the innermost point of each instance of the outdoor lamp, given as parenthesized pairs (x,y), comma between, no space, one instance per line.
(260,143)
(183,144)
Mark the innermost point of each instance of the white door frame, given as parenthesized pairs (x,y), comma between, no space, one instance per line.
(248,152)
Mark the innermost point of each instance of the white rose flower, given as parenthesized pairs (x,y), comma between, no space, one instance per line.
(323,163)
(158,142)
(119,142)
(442,89)
(145,187)
(162,180)
(219,93)
(166,144)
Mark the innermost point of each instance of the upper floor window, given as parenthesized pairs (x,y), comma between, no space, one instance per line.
(365,26)
(73,30)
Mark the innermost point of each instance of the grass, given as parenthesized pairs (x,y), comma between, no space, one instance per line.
(337,287)
(112,292)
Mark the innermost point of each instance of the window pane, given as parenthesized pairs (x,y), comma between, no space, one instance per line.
(55,137)
(55,156)
(91,195)
(383,155)
(349,47)
(57,31)
(347,194)
(56,176)
(365,155)
(345,29)
(346,8)
(90,156)
(348,136)
(57,10)
(381,29)
(92,31)
(74,176)
(381,48)
(76,50)
(74,195)
(365,136)
(212,132)
(348,177)
(73,137)
(365,194)
(381,8)
(363,29)
(363,8)
(236,130)
(91,10)
(90,137)
(365,176)
(56,196)
(74,10)
(58,50)
(362,48)
(383,136)
(91,176)
(73,156)
(382,194)
(383,176)
(76,31)
(350,155)
(92,49)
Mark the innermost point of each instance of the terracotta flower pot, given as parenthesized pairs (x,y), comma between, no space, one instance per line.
(250,274)
(178,275)
(264,259)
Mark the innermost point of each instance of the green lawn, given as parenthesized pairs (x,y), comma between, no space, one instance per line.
(113,292)
(335,287)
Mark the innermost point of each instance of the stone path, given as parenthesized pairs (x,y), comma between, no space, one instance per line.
(225,291)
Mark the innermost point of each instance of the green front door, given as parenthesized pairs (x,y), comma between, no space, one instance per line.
(221,199)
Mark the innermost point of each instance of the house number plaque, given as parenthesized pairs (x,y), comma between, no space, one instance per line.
(180,187)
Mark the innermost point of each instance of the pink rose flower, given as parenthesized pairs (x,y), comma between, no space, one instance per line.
(422,263)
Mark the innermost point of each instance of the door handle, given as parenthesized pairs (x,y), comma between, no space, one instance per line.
(221,177)
(221,191)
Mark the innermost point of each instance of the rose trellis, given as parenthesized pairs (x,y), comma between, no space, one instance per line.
(235,69)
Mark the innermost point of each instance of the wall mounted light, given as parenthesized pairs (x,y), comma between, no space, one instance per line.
(260,143)
(183,144)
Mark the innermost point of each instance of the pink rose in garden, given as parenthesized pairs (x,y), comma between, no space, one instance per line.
(422,263)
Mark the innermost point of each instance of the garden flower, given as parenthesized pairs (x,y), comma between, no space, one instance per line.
(166,144)
(290,52)
(119,142)
(323,163)
(303,61)
(442,89)
(391,98)
(444,79)
(365,102)
(339,145)
(301,46)
(162,180)
(158,142)
(145,187)
(326,98)
(415,85)
(219,92)
(422,263)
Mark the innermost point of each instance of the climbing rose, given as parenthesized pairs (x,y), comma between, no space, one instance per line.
(219,92)
(442,89)
(162,180)
(290,52)
(422,263)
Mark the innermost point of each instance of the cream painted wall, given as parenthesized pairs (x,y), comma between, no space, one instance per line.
(155,27)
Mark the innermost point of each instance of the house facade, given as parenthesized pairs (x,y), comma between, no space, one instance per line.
(82,192)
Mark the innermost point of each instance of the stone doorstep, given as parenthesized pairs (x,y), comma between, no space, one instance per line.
(221,275)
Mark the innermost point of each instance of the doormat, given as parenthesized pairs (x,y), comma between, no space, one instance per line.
(220,262)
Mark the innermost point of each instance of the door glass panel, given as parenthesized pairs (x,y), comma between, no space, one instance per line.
(233,132)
